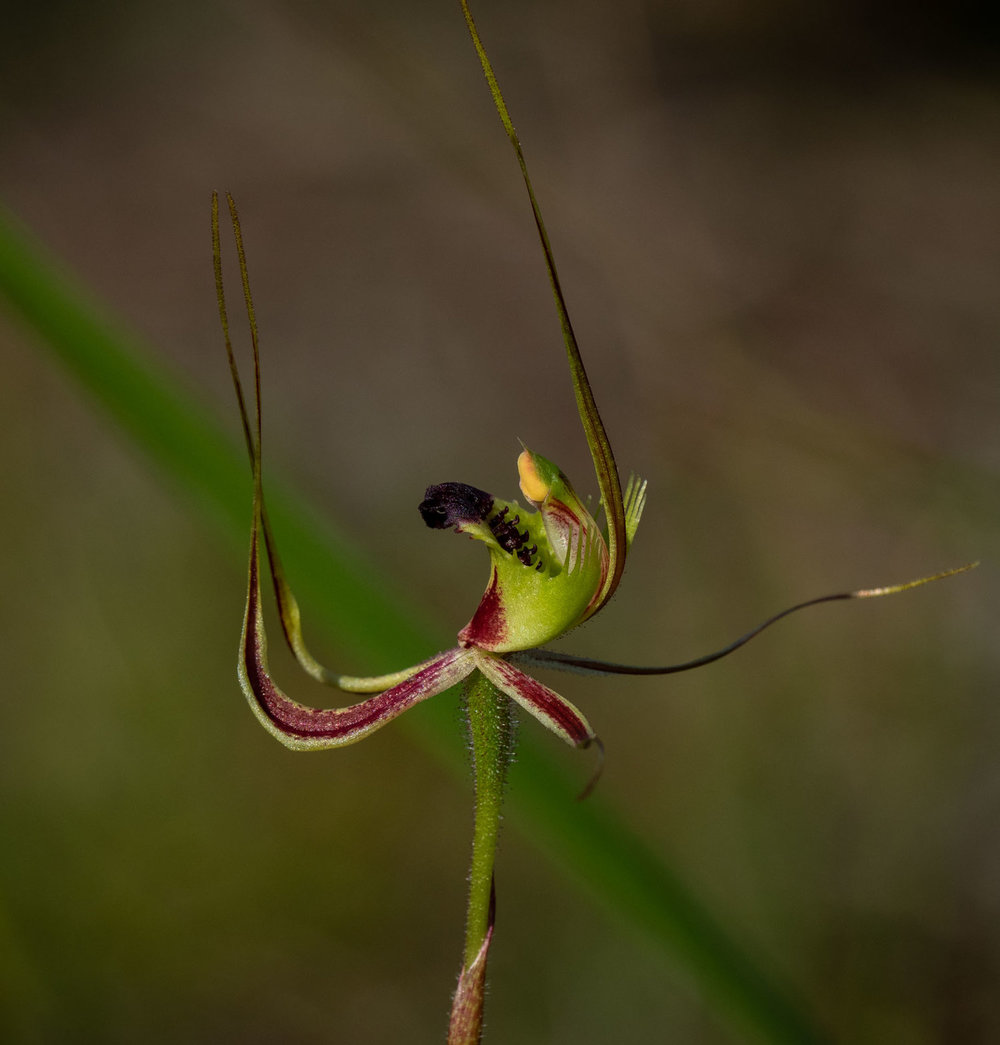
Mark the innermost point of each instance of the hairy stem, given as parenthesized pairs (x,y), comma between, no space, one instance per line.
(491,732)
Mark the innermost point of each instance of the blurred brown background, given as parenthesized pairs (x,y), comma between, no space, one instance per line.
(778,227)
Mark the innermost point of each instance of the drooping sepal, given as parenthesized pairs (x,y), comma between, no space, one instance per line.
(288,607)
(555,712)
(304,728)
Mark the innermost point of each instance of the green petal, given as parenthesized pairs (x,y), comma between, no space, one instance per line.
(314,729)
(288,606)
(597,439)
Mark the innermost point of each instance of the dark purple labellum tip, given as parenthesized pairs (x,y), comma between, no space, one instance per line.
(451,504)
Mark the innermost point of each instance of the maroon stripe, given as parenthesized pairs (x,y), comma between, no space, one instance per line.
(547,701)
(296,719)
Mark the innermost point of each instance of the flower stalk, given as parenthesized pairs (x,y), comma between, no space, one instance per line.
(492,740)
(492,735)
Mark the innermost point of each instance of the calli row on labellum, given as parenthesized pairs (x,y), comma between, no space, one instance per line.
(552,565)
(551,568)
(549,563)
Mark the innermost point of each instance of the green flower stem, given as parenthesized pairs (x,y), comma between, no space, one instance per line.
(589,841)
(491,731)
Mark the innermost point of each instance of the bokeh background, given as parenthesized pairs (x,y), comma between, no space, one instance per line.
(778,227)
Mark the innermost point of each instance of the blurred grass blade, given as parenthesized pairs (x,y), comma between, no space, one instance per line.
(167,421)
(595,848)
(588,841)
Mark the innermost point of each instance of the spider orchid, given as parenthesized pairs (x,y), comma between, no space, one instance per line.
(552,566)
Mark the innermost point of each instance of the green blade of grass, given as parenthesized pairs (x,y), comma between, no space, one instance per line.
(588,841)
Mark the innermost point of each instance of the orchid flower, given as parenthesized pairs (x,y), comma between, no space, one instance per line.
(552,567)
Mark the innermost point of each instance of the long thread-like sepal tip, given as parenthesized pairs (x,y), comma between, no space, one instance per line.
(894,589)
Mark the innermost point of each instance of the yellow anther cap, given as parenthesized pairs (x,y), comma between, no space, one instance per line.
(532,485)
